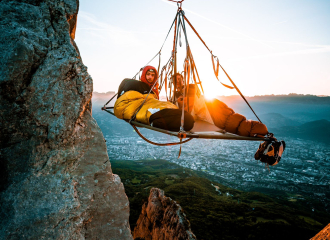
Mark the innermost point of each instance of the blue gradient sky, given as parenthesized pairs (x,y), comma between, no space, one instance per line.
(267,47)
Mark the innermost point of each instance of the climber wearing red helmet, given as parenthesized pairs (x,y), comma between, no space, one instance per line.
(150,76)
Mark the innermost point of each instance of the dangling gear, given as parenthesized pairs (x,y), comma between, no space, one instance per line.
(270,152)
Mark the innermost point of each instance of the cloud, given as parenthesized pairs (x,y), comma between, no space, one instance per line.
(279,23)
(311,49)
(314,50)
(224,26)
(105,32)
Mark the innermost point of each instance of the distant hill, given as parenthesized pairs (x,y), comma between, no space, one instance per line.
(290,98)
(99,99)
(316,130)
(276,120)
(300,108)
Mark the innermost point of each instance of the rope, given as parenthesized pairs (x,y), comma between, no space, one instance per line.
(186,72)
(164,69)
(159,144)
(240,93)
(159,52)
(159,62)
(215,71)
(136,112)
(197,34)
(111,99)
(145,65)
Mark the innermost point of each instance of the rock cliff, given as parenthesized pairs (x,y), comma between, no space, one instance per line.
(162,218)
(55,177)
(324,234)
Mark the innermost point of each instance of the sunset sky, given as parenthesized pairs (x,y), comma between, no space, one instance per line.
(267,47)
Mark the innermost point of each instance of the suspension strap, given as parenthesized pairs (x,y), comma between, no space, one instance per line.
(186,70)
(139,108)
(111,99)
(240,93)
(216,70)
(165,69)
(194,69)
(159,52)
(159,144)
(145,65)
(197,33)
(159,62)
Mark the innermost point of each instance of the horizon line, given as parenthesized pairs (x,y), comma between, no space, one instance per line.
(266,95)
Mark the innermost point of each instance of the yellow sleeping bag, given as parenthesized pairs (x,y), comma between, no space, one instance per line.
(128,103)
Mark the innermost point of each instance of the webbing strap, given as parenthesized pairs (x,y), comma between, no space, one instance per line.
(215,70)
(159,144)
(145,65)
(139,108)
(197,33)
(166,68)
(159,62)
(159,52)
(194,69)
(133,117)
(186,71)
(240,93)
(111,99)
(174,21)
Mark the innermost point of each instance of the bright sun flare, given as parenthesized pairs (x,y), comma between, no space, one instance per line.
(210,91)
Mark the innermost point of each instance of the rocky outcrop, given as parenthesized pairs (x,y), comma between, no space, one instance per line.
(55,176)
(162,218)
(324,234)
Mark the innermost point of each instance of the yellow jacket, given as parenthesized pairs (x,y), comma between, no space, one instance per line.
(127,104)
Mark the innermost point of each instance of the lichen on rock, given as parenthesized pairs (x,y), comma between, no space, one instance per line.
(55,176)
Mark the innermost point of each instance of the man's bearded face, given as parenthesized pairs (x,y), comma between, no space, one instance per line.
(150,77)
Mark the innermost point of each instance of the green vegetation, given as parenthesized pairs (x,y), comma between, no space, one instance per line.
(216,211)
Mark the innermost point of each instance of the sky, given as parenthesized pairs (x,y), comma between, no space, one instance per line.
(266,47)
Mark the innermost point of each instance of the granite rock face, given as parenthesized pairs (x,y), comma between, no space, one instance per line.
(324,234)
(55,177)
(162,218)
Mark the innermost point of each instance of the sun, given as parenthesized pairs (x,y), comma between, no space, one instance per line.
(211,91)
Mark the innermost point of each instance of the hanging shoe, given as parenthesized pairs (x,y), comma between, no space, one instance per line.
(270,152)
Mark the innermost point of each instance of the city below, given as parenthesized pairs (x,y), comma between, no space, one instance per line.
(303,170)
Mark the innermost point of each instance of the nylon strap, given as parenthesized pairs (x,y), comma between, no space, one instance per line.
(240,93)
(136,112)
(216,71)
(159,144)
(195,70)
(222,69)
(186,69)
(197,33)
(111,99)
(159,62)
(161,47)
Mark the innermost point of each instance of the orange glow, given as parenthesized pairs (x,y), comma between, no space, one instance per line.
(211,90)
